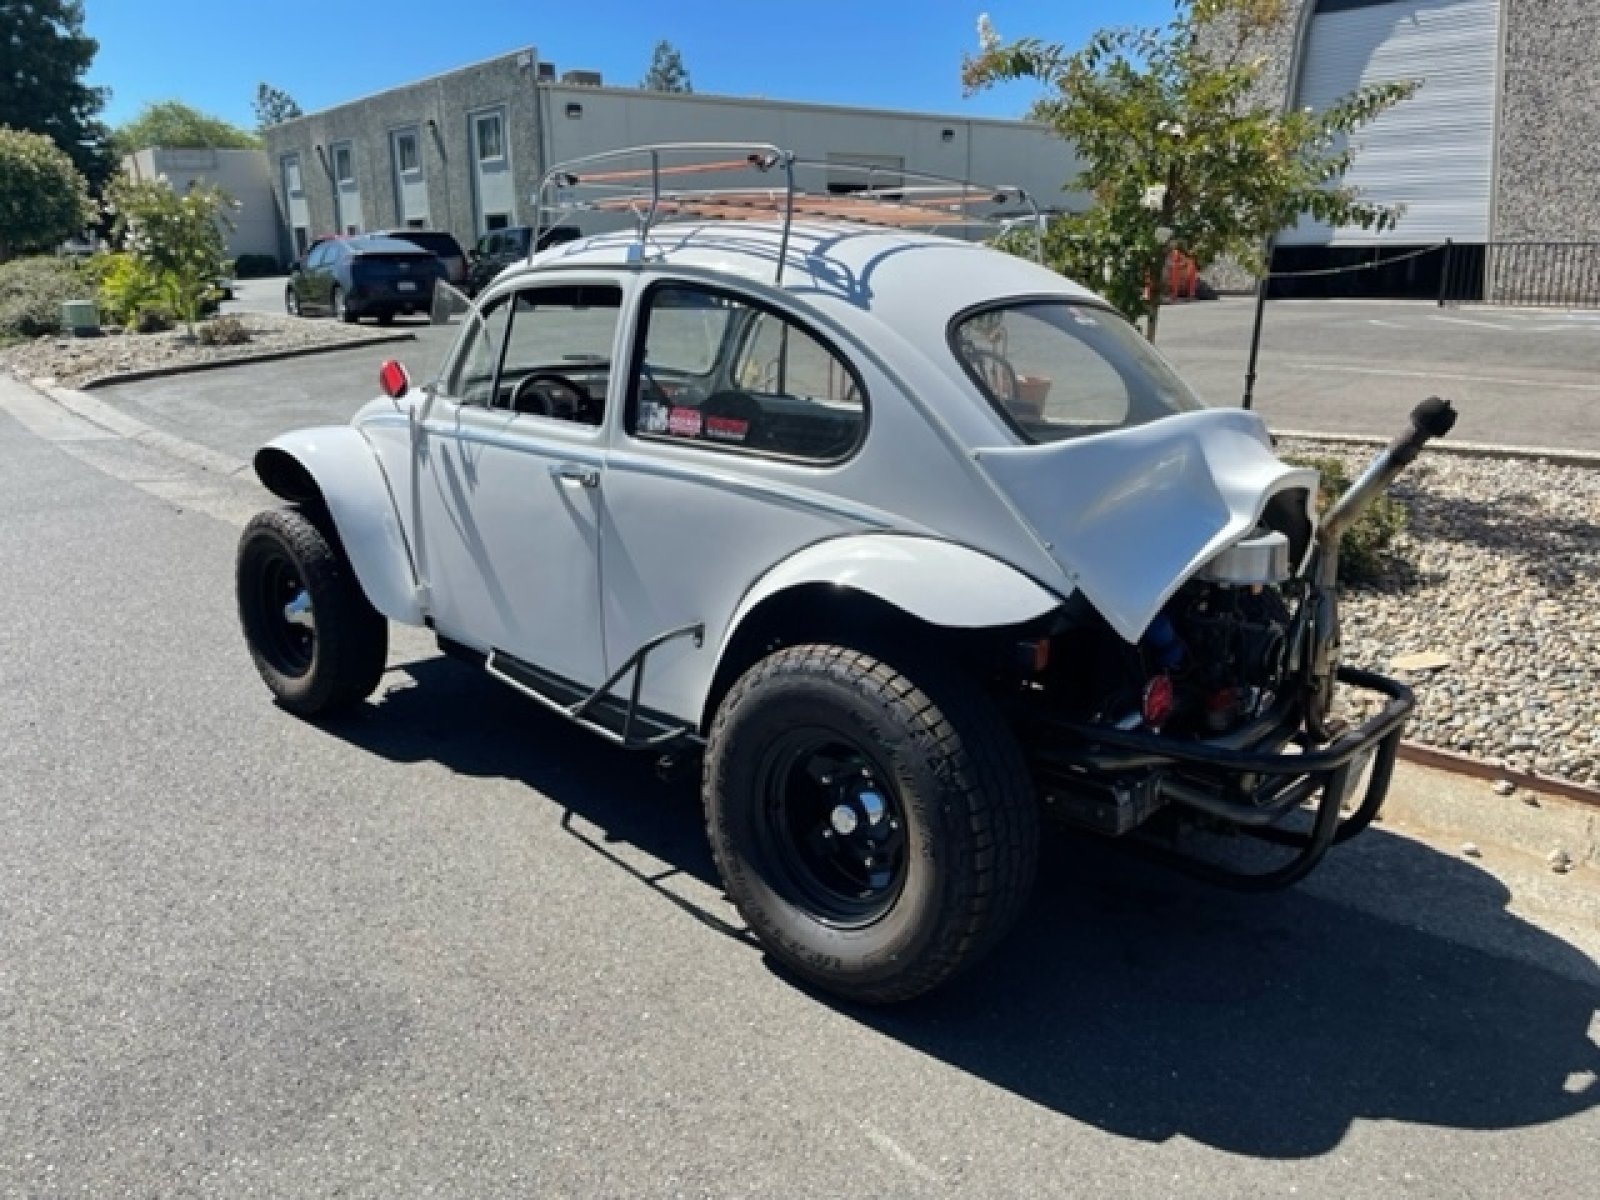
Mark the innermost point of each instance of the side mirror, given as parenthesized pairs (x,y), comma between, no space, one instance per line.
(393,379)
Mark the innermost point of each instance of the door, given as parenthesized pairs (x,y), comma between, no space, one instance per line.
(509,475)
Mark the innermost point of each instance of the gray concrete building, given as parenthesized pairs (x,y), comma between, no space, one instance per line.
(242,174)
(1497,152)
(464,151)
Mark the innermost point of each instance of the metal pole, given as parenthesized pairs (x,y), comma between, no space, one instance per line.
(1444,271)
(1255,333)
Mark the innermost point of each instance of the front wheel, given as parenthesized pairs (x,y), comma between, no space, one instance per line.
(291,301)
(876,836)
(316,640)
(341,307)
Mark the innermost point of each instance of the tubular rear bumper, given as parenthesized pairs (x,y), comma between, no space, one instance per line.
(1253,780)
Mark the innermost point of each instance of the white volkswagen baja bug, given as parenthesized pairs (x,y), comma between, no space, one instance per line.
(911,540)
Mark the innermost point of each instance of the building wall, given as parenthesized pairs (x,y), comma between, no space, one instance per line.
(242,174)
(1549,138)
(441,110)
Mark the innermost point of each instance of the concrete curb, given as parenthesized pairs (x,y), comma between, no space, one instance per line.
(377,339)
(98,412)
(1560,458)
(1477,768)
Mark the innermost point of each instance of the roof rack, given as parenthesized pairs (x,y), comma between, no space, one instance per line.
(756,181)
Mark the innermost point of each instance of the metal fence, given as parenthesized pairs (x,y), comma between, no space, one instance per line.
(1521,274)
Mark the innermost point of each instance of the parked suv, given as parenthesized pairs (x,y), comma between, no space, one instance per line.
(440,244)
(500,248)
(367,275)
(908,542)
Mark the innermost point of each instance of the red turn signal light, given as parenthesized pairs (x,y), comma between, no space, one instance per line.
(1159,701)
(394,381)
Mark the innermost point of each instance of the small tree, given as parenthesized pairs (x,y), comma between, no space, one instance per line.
(173,123)
(44,55)
(273,107)
(43,199)
(667,72)
(1180,149)
(176,238)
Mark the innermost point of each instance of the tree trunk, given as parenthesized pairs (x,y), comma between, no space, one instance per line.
(1158,287)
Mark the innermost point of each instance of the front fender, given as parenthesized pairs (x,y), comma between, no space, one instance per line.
(938,582)
(337,466)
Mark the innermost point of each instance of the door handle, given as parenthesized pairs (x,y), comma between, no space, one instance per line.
(576,473)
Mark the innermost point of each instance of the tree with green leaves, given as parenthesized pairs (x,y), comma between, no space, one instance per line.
(44,55)
(173,124)
(44,200)
(667,72)
(175,239)
(274,106)
(1180,148)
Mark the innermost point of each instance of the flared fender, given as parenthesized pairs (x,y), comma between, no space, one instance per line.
(938,582)
(336,464)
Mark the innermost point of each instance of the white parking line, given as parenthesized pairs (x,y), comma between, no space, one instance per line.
(1529,383)
(1479,324)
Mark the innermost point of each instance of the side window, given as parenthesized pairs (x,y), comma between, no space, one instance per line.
(718,370)
(557,360)
(470,379)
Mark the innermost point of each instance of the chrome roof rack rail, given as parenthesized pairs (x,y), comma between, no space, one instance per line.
(644,181)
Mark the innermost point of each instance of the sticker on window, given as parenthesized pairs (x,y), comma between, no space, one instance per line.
(652,418)
(684,422)
(727,429)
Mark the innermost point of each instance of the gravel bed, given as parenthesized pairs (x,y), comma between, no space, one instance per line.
(71,361)
(1502,583)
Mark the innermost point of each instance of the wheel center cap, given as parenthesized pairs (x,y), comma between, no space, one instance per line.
(844,820)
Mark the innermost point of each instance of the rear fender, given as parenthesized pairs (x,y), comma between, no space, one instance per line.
(335,467)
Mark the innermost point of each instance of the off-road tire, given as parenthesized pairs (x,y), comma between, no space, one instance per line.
(344,659)
(971,820)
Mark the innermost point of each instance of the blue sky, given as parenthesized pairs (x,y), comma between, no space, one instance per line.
(901,54)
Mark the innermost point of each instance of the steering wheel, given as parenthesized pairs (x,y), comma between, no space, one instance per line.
(552,394)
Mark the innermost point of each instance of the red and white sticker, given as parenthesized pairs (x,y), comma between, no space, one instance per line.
(727,429)
(684,422)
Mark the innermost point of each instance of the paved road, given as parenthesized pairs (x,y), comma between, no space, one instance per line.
(449,948)
(1519,378)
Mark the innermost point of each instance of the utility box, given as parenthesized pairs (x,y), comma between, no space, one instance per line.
(80,317)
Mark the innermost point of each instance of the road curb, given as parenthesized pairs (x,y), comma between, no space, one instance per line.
(98,412)
(1560,458)
(377,339)
(1477,768)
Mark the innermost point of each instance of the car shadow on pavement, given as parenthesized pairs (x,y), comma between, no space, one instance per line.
(1391,986)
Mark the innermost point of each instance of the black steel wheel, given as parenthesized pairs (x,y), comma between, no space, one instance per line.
(877,834)
(316,640)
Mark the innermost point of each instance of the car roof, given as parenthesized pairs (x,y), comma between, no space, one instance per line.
(889,272)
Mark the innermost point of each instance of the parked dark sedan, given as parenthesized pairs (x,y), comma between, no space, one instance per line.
(499,248)
(363,276)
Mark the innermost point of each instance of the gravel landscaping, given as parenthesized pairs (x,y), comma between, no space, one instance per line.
(1497,585)
(73,361)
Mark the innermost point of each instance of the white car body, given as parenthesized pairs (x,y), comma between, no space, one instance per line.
(942,511)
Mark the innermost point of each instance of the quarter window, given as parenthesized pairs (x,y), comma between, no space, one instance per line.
(721,372)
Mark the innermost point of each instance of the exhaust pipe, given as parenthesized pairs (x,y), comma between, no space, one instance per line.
(1430,419)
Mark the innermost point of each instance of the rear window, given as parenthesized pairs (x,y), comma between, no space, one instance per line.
(438,243)
(1059,369)
(388,247)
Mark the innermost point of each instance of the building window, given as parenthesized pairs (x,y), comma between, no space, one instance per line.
(291,174)
(405,151)
(496,221)
(343,167)
(491,137)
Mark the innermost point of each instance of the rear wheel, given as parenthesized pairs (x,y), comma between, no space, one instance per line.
(876,836)
(316,640)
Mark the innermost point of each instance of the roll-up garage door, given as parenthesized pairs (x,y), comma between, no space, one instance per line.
(1433,153)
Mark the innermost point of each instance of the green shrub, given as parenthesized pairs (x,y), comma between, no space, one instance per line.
(224,331)
(256,266)
(128,285)
(152,318)
(32,291)
(1367,546)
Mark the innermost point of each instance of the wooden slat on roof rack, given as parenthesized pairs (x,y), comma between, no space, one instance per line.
(753,205)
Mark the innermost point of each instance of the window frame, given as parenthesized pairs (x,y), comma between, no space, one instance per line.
(644,309)
(403,138)
(497,116)
(347,149)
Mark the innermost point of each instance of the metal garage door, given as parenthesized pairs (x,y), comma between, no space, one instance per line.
(1433,153)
